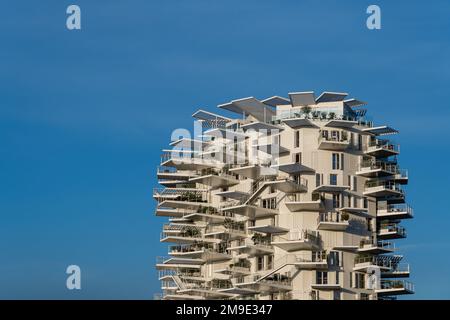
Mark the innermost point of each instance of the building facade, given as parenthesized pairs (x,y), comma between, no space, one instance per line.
(293,198)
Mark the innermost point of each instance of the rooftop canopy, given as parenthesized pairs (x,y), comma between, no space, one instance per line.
(206,115)
(302,98)
(276,101)
(380,131)
(331,97)
(353,103)
(250,106)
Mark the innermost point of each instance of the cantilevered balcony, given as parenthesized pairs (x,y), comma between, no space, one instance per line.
(362,212)
(375,247)
(171,173)
(382,148)
(188,161)
(240,267)
(331,188)
(215,179)
(289,185)
(251,211)
(207,252)
(254,171)
(177,263)
(395,212)
(382,189)
(386,263)
(394,287)
(315,204)
(373,169)
(336,140)
(300,240)
(389,231)
(186,236)
(257,246)
(268,284)
(209,215)
(228,232)
(332,221)
(401,270)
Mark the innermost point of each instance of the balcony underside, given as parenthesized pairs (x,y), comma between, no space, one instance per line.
(381,152)
(191,164)
(362,212)
(395,274)
(375,250)
(333,145)
(341,123)
(215,181)
(346,248)
(252,250)
(168,212)
(293,168)
(332,226)
(188,240)
(236,195)
(272,149)
(320,286)
(204,217)
(175,175)
(381,192)
(295,245)
(173,266)
(287,186)
(389,235)
(374,173)
(265,286)
(393,215)
(331,188)
(179,204)
(226,234)
(299,123)
(296,206)
(182,297)
(393,291)
(171,183)
(251,211)
(269,229)
(239,291)
(316,265)
(254,171)
(206,256)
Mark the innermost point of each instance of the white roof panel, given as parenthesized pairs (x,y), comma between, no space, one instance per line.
(276,101)
(206,115)
(302,98)
(250,106)
(327,96)
(353,103)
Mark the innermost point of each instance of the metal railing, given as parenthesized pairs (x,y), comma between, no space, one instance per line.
(332,217)
(374,165)
(384,144)
(396,284)
(397,209)
(306,235)
(392,227)
(367,243)
(383,184)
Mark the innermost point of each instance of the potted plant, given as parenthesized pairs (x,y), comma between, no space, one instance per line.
(323,115)
(306,110)
(345,216)
(331,115)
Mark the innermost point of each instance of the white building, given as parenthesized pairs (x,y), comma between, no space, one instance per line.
(296,198)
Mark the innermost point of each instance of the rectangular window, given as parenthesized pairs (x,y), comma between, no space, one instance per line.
(333,179)
(335,161)
(297,157)
(260,263)
(359,280)
(297,139)
(318,179)
(269,262)
(342,161)
(336,201)
(360,142)
(333,258)
(365,203)
(355,184)
(321,277)
(349,200)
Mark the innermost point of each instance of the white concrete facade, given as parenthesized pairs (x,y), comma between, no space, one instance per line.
(295,198)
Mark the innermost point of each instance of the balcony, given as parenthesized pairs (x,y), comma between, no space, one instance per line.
(204,251)
(238,268)
(391,231)
(215,180)
(335,140)
(395,287)
(382,149)
(314,260)
(254,171)
(294,241)
(251,211)
(171,173)
(252,247)
(178,263)
(209,215)
(229,232)
(396,212)
(183,160)
(289,185)
(373,169)
(332,221)
(375,247)
(386,263)
(330,188)
(297,206)
(275,282)
(399,271)
(186,236)
(383,189)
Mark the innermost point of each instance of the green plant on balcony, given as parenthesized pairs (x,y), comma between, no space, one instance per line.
(306,111)
(315,114)
(345,216)
(323,115)
(331,115)
(191,232)
(344,135)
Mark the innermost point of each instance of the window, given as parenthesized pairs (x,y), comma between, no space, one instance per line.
(333,258)
(359,280)
(269,262)
(369,224)
(321,277)
(354,205)
(333,179)
(297,157)
(269,203)
(364,296)
(349,201)
(365,203)
(335,135)
(297,139)
(355,184)
(349,180)
(335,161)
(342,161)
(318,179)
(352,139)
(260,263)
(360,142)
(336,201)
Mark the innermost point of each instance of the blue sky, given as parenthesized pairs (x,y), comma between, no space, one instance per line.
(84,115)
